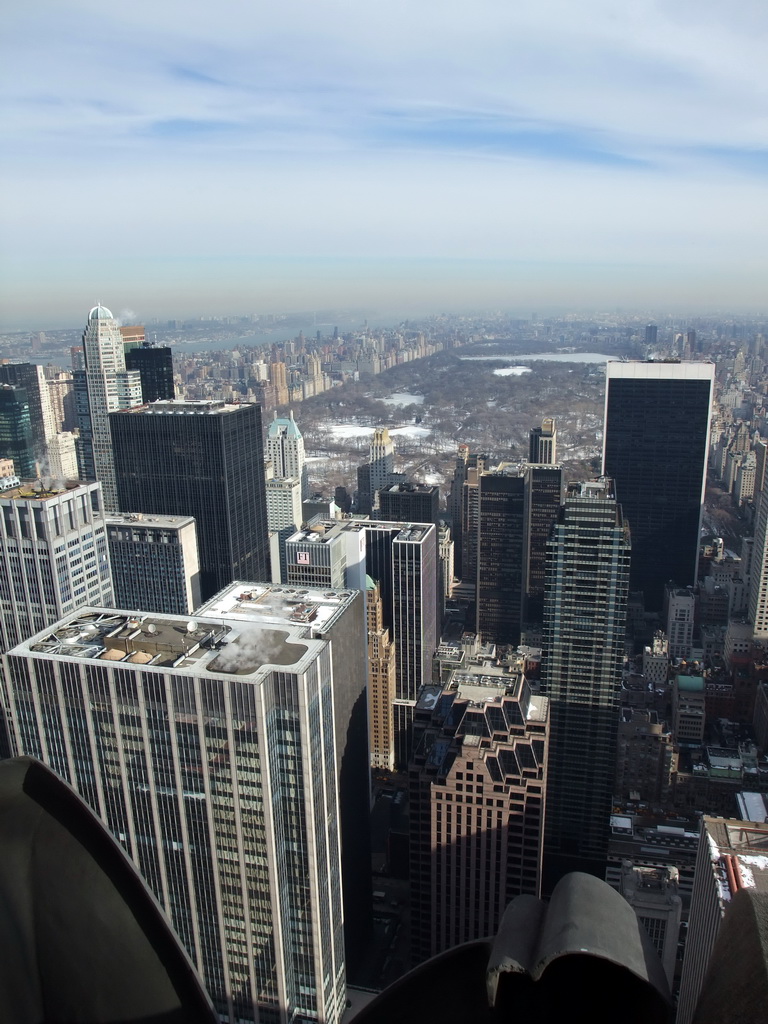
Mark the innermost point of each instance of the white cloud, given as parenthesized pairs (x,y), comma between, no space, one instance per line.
(555,132)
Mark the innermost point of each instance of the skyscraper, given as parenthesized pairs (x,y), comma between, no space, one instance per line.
(543,497)
(155,366)
(585,601)
(500,559)
(477,785)
(101,388)
(543,443)
(209,749)
(155,562)
(409,503)
(285,450)
(16,441)
(402,559)
(657,418)
(201,459)
(53,557)
(31,378)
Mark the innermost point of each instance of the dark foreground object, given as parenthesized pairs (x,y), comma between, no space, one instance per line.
(82,940)
(583,956)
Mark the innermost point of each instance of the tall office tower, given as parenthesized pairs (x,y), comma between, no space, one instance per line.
(201,459)
(758,576)
(133,336)
(500,558)
(285,450)
(543,498)
(61,392)
(651,334)
(209,749)
(62,456)
(470,500)
(446,553)
(655,448)
(732,855)
(31,378)
(455,504)
(381,682)
(414,588)
(284,517)
(54,557)
(278,375)
(338,618)
(104,386)
(16,441)
(679,615)
(585,605)
(382,460)
(155,366)
(690,341)
(542,448)
(402,559)
(364,498)
(477,784)
(155,564)
(409,503)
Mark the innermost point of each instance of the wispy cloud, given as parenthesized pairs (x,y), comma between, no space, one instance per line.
(425,128)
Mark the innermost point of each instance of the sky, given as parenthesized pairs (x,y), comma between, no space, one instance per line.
(186,157)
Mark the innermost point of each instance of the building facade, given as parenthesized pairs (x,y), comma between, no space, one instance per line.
(209,749)
(155,563)
(54,557)
(477,788)
(285,450)
(409,503)
(585,600)
(500,555)
(656,444)
(155,367)
(542,448)
(201,459)
(102,387)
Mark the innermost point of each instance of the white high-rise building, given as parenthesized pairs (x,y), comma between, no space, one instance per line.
(53,557)
(103,387)
(285,450)
(284,517)
(214,749)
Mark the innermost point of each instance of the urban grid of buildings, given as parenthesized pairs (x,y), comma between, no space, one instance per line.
(297,713)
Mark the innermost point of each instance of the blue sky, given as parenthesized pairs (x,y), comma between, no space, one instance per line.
(190,157)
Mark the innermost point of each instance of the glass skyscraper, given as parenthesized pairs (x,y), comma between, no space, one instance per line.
(585,603)
(201,459)
(657,420)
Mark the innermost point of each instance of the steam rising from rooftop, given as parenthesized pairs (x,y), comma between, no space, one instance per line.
(254,648)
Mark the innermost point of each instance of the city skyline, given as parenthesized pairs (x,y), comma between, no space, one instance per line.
(417,160)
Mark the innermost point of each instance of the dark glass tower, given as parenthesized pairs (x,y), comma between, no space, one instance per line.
(501,503)
(155,366)
(585,605)
(543,498)
(16,439)
(409,503)
(657,418)
(203,459)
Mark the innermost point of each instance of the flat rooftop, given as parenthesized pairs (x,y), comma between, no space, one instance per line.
(34,490)
(274,604)
(179,407)
(140,519)
(245,630)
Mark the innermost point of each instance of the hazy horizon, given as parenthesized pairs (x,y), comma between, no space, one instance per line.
(182,160)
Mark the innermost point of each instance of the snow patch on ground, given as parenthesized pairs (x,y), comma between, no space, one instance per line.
(512,371)
(403,398)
